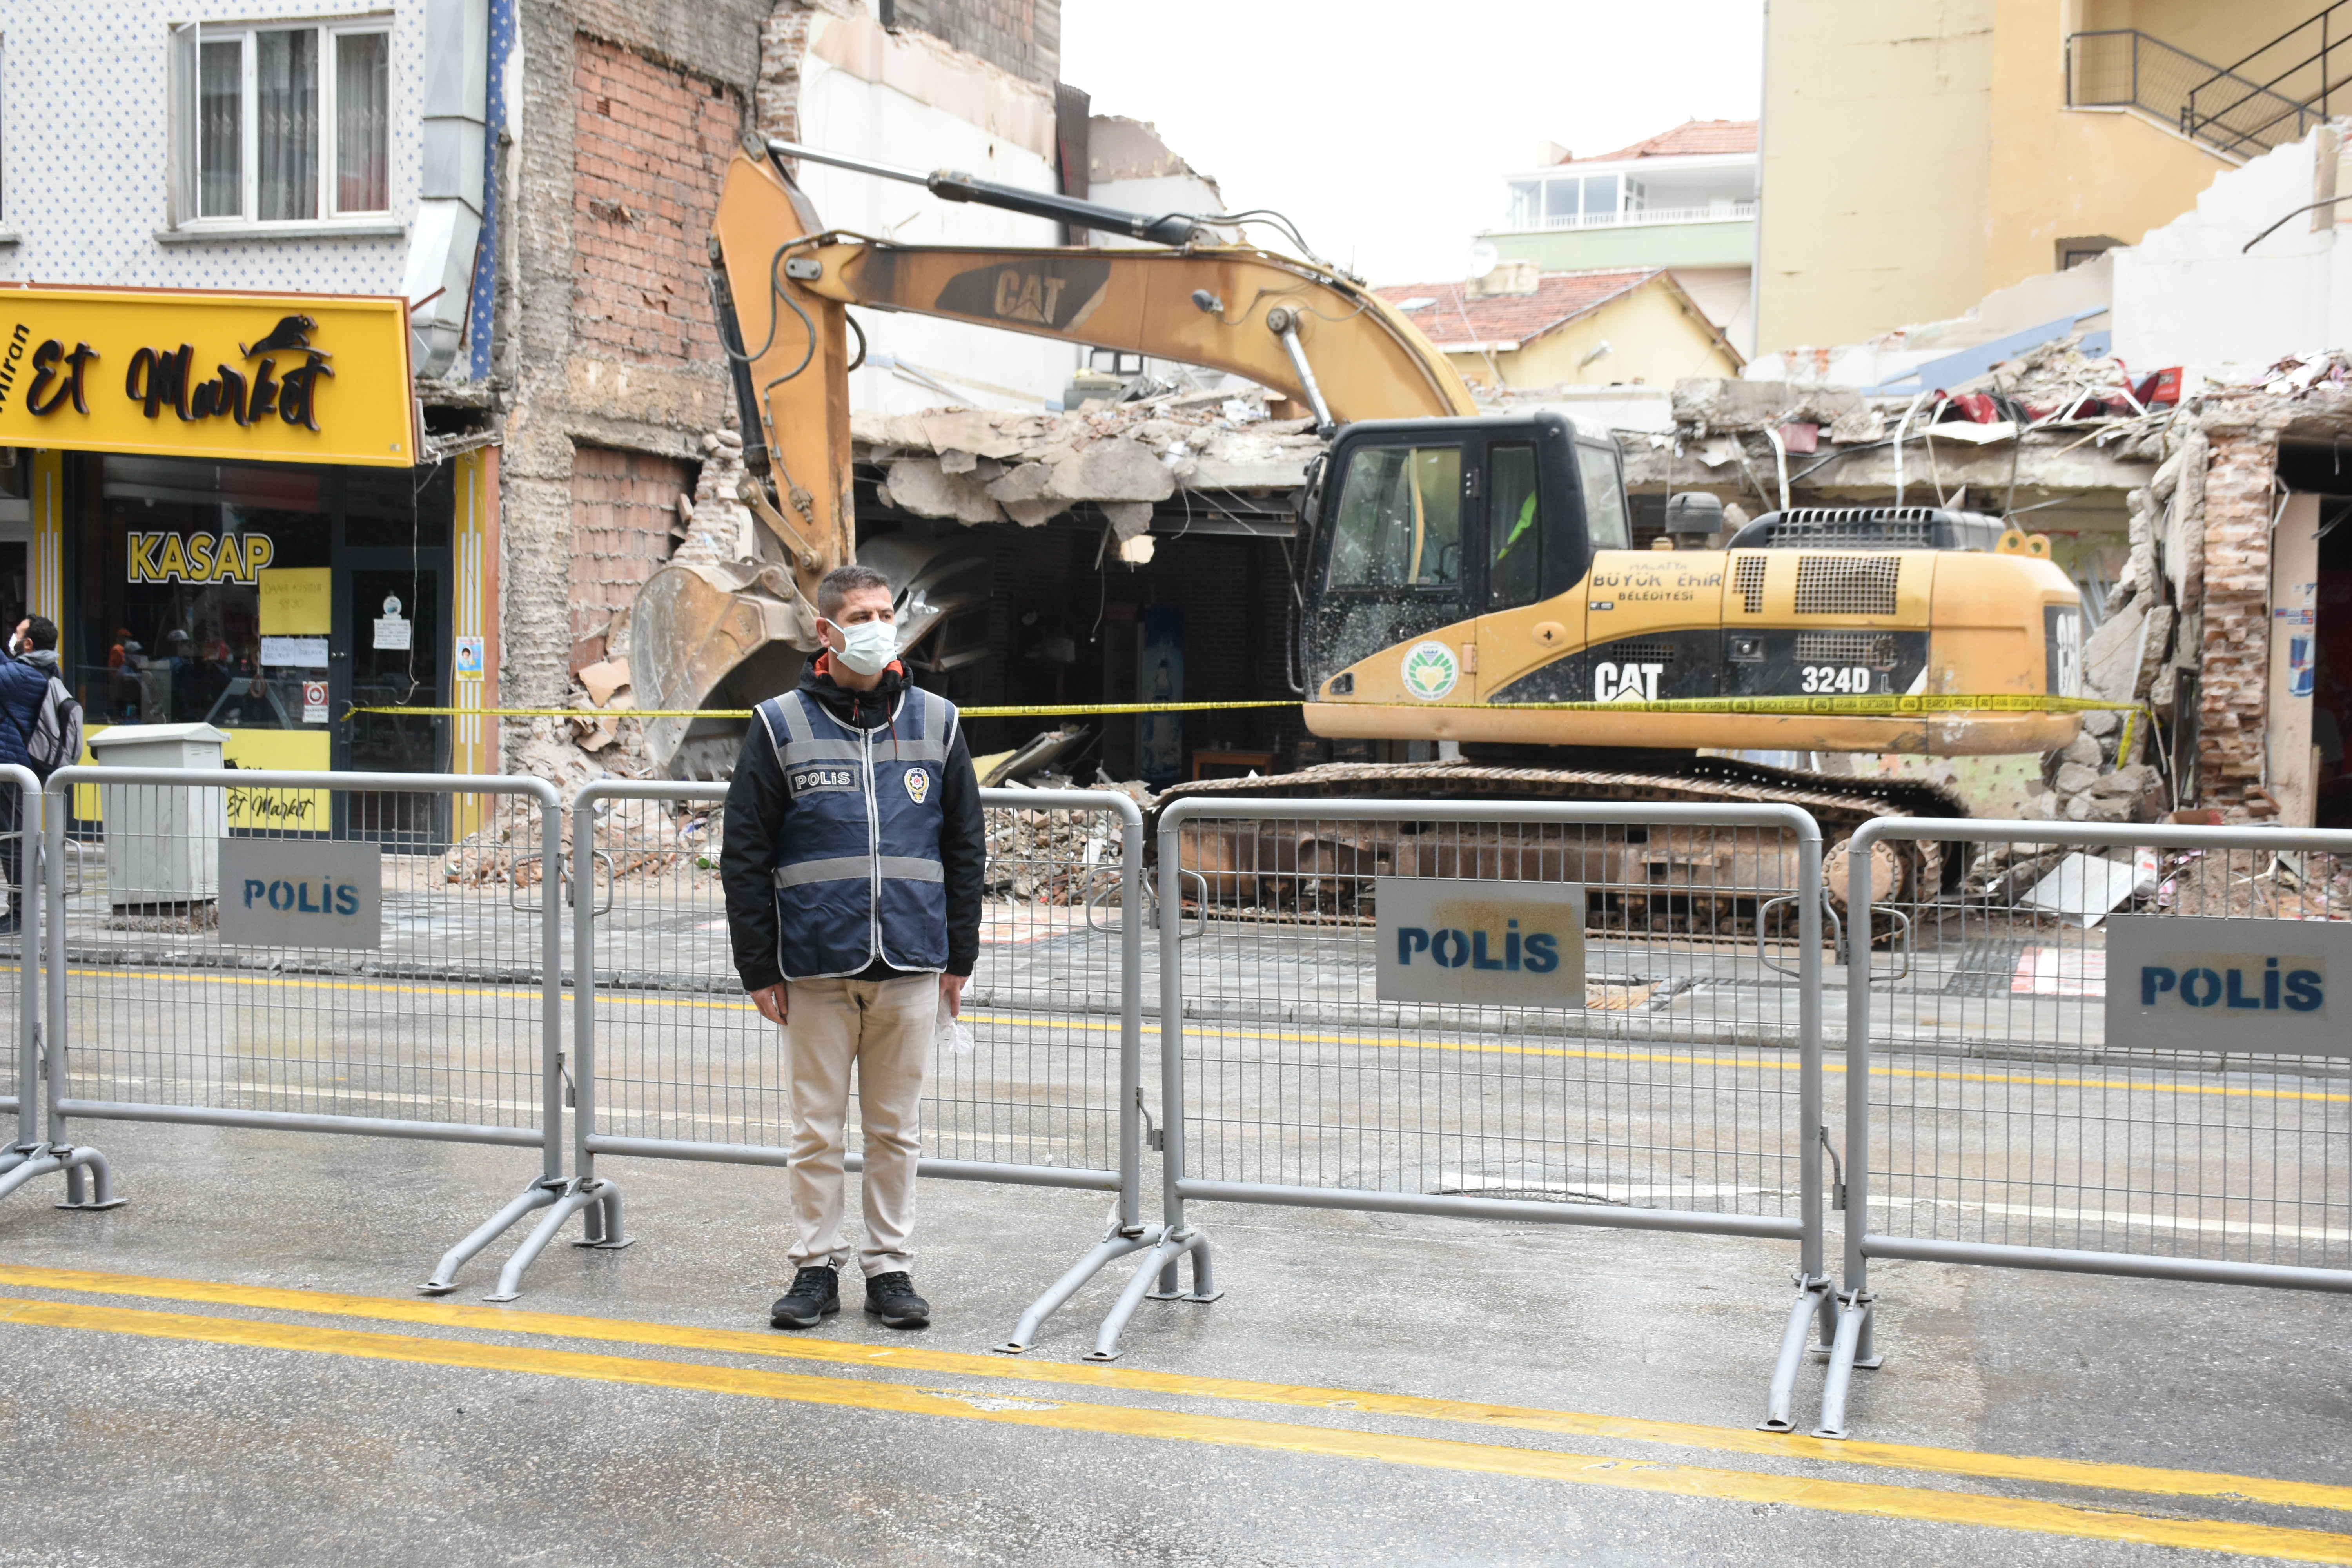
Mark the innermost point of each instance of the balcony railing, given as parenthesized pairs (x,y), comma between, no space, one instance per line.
(2125,69)
(1729,212)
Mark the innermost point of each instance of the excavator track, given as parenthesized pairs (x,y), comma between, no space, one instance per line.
(1839,805)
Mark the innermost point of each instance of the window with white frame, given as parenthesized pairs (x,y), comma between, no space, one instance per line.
(281,122)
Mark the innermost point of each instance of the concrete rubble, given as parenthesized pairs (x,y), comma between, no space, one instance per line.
(977,466)
(634,839)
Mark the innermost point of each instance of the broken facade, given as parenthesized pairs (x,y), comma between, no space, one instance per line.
(2171,519)
(609,368)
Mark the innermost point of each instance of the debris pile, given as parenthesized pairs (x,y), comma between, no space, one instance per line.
(633,840)
(975,466)
(1057,856)
(2062,884)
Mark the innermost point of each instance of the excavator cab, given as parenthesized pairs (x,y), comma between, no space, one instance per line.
(1425,524)
(1468,576)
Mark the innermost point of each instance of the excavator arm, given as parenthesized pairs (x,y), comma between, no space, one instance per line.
(723,634)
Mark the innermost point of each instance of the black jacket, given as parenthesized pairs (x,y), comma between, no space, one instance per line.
(756,802)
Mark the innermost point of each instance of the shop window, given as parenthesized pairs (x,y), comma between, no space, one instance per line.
(280,124)
(204,594)
(398,509)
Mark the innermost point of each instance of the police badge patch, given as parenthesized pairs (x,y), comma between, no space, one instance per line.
(918,784)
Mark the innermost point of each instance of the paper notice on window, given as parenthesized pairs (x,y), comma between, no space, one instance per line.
(297,653)
(314,702)
(392,632)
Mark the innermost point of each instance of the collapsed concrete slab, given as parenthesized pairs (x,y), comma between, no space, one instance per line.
(975,466)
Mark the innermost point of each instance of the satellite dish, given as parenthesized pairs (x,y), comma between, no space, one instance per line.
(1483,258)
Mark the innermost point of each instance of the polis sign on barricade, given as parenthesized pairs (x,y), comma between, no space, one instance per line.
(270,377)
(280,892)
(2185,982)
(1494,944)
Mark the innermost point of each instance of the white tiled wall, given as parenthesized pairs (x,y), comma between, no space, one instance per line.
(82,131)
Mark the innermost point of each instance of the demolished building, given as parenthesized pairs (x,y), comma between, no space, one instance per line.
(2161,416)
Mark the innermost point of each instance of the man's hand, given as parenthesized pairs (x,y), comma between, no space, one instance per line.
(951,993)
(771,1003)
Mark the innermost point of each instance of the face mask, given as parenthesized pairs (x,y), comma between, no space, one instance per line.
(868,646)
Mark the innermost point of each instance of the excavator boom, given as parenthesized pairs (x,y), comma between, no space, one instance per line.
(730,635)
(1463,576)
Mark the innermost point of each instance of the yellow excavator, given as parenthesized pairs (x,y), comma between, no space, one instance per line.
(1462,574)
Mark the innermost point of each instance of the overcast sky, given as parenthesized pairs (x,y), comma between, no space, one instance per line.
(1383,129)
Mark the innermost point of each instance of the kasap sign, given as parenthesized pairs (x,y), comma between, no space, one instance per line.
(1497,944)
(2179,982)
(294,892)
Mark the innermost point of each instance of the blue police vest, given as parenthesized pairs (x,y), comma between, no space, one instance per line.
(859,876)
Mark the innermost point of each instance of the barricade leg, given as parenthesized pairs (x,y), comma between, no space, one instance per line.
(537,1195)
(600,1223)
(89,1179)
(1813,1304)
(1160,1265)
(101,1194)
(1106,1252)
(592,1198)
(1852,1350)
(90,1192)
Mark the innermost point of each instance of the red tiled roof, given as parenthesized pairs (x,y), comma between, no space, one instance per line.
(1458,319)
(1690,138)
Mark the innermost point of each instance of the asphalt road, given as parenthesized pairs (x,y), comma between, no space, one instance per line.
(236,1367)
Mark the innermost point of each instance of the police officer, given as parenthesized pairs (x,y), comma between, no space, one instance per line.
(853,864)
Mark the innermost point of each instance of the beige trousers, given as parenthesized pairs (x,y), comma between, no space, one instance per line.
(883,1027)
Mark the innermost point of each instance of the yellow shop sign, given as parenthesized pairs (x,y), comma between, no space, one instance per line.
(268,377)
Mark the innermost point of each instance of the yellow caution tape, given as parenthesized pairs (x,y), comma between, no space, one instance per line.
(589,715)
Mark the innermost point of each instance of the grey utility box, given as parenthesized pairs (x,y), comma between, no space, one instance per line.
(162,841)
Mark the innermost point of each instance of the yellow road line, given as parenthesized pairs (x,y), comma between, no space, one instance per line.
(310,983)
(1871,1498)
(916,1358)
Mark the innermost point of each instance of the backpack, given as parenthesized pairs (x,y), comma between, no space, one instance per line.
(55,739)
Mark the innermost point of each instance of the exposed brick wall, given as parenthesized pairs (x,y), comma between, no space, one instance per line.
(2234,679)
(784,45)
(1022,37)
(650,150)
(624,505)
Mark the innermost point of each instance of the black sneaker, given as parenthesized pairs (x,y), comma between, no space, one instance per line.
(816,1293)
(892,1298)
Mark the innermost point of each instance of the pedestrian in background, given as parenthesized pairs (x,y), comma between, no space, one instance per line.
(853,864)
(25,675)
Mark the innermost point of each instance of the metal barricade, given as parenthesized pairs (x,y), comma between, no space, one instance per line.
(1994,1116)
(311,953)
(674,1062)
(36,1151)
(1681,1091)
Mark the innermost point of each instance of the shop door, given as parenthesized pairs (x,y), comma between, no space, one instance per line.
(390,630)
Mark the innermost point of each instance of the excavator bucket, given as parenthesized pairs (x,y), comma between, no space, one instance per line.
(703,632)
(727,635)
